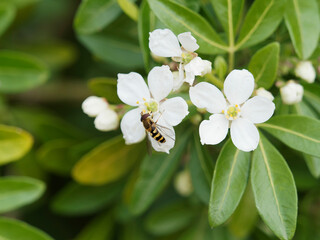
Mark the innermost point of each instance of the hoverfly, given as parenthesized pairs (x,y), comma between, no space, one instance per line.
(151,127)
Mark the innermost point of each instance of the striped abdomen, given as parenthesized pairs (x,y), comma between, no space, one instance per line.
(155,134)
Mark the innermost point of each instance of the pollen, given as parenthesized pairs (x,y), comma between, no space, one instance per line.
(137,102)
(232,112)
(144,99)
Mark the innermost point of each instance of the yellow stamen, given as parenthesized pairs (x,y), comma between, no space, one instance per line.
(222,111)
(137,102)
(236,105)
(144,99)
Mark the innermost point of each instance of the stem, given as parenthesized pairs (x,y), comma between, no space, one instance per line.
(231,60)
(216,81)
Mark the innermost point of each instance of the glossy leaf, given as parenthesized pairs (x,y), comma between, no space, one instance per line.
(20,72)
(55,156)
(229,14)
(169,219)
(13,229)
(274,189)
(229,183)
(75,199)
(108,162)
(312,162)
(156,171)
(114,50)
(16,192)
(7,14)
(14,143)
(105,87)
(298,132)
(100,228)
(303,23)
(181,19)
(145,22)
(264,65)
(93,15)
(312,95)
(201,170)
(261,21)
(129,8)
(245,216)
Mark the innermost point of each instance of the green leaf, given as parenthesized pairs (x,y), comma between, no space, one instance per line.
(264,65)
(146,19)
(13,229)
(156,171)
(93,15)
(274,189)
(298,132)
(23,3)
(114,50)
(105,87)
(312,95)
(16,192)
(108,162)
(14,143)
(313,163)
(181,19)
(201,170)
(303,22)
(245,216)
(100,228)
(169,219)
(55,156)
(229,14)
(20,72)
(261,21)
(76,200)
(229,183)
(7,14)
(220,67)
(129,8)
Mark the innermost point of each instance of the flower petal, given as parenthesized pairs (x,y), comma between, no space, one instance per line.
(244,134)
(198,66)
(257,109)
(160,81)
(106,120)
(188,42)
(214,130)
(177,80)
(174,110)
(206,95)
(132,128)
(163,43)
(238,86)
(93,105)
(168,133)
(132,88)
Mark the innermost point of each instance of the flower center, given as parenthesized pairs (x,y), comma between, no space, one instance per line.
(232,112)
(150,106)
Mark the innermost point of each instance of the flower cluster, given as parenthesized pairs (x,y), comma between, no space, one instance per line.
(155,115)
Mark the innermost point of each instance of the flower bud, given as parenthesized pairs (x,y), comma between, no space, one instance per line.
(93,105)
(291,93)
(107,120)
(306,71)
(264,93)
(182,183)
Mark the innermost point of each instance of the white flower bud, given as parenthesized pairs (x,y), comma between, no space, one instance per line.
(264,93)
(291,93)
(306,71)
(107,120)
(93,105)
(182,183)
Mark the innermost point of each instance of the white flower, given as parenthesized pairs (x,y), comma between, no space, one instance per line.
(163,42)
(264,93)
(133,91)
(106,118)
(306,71)
(183,184)
(291,93)
(236,112)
